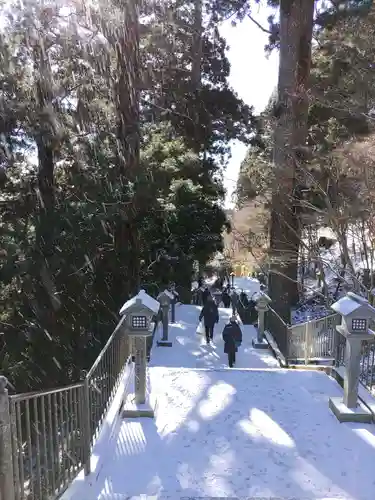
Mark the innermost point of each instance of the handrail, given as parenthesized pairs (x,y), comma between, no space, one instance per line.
(311,320)
(24,396)
(103,351)
(313,339)
(53,431)
(278,316)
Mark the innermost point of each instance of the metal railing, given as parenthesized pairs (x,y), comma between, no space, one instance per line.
(313,340)
(52,432)
(275,325)
(102,381)
(47,441)
(367,363)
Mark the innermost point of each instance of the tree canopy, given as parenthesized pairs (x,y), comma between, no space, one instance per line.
(114,136)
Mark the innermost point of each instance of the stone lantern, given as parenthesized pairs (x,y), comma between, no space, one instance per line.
(165,299)
(356,313)
(139,312)
(262,304)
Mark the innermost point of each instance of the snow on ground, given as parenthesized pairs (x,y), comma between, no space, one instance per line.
(191,350)
(248,285)
(252,431)
(266,434)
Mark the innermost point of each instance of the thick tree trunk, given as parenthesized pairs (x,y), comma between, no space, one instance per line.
(47,302)
(197,46)
(296,21)
(46,198)
(127,93)
(45,232)
(196,69)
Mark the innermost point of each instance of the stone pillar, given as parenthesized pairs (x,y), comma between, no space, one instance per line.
(6,462)
(262,305)
(352,371)
(165,302)
(356,314)
(140,369)
(173,309)
(261,318)
(348,408)
(165,313)
(174,300)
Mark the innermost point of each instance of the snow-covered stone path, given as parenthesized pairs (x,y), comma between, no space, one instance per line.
(191,351)
(254,431)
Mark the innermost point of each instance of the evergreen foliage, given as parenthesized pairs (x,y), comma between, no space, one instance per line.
(75,219)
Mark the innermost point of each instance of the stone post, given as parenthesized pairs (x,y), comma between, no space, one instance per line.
(356,312)
(138,326)
(165,299)
(352,371)
(262,306)
(348,408)
(173,309)
(6,461)
(140,369)
(165,315)
(173,302)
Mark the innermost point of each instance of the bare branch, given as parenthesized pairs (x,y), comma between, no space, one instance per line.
(265,30)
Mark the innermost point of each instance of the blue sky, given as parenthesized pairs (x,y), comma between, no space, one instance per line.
(252,76)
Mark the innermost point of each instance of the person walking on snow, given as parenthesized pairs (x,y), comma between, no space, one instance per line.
(225,297)
(205,294)
(232,336)
(234,300)
(210,316)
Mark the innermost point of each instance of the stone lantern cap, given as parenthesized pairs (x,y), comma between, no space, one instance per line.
(165,297)
(356,312)
(262,299)
(138,312)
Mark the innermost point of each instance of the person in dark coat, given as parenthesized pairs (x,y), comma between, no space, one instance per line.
(200,282)
(234,300)
(242,306)
(225,297)
(232,336)
(244,300)
(210,316)
(205,295)
(217,295)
